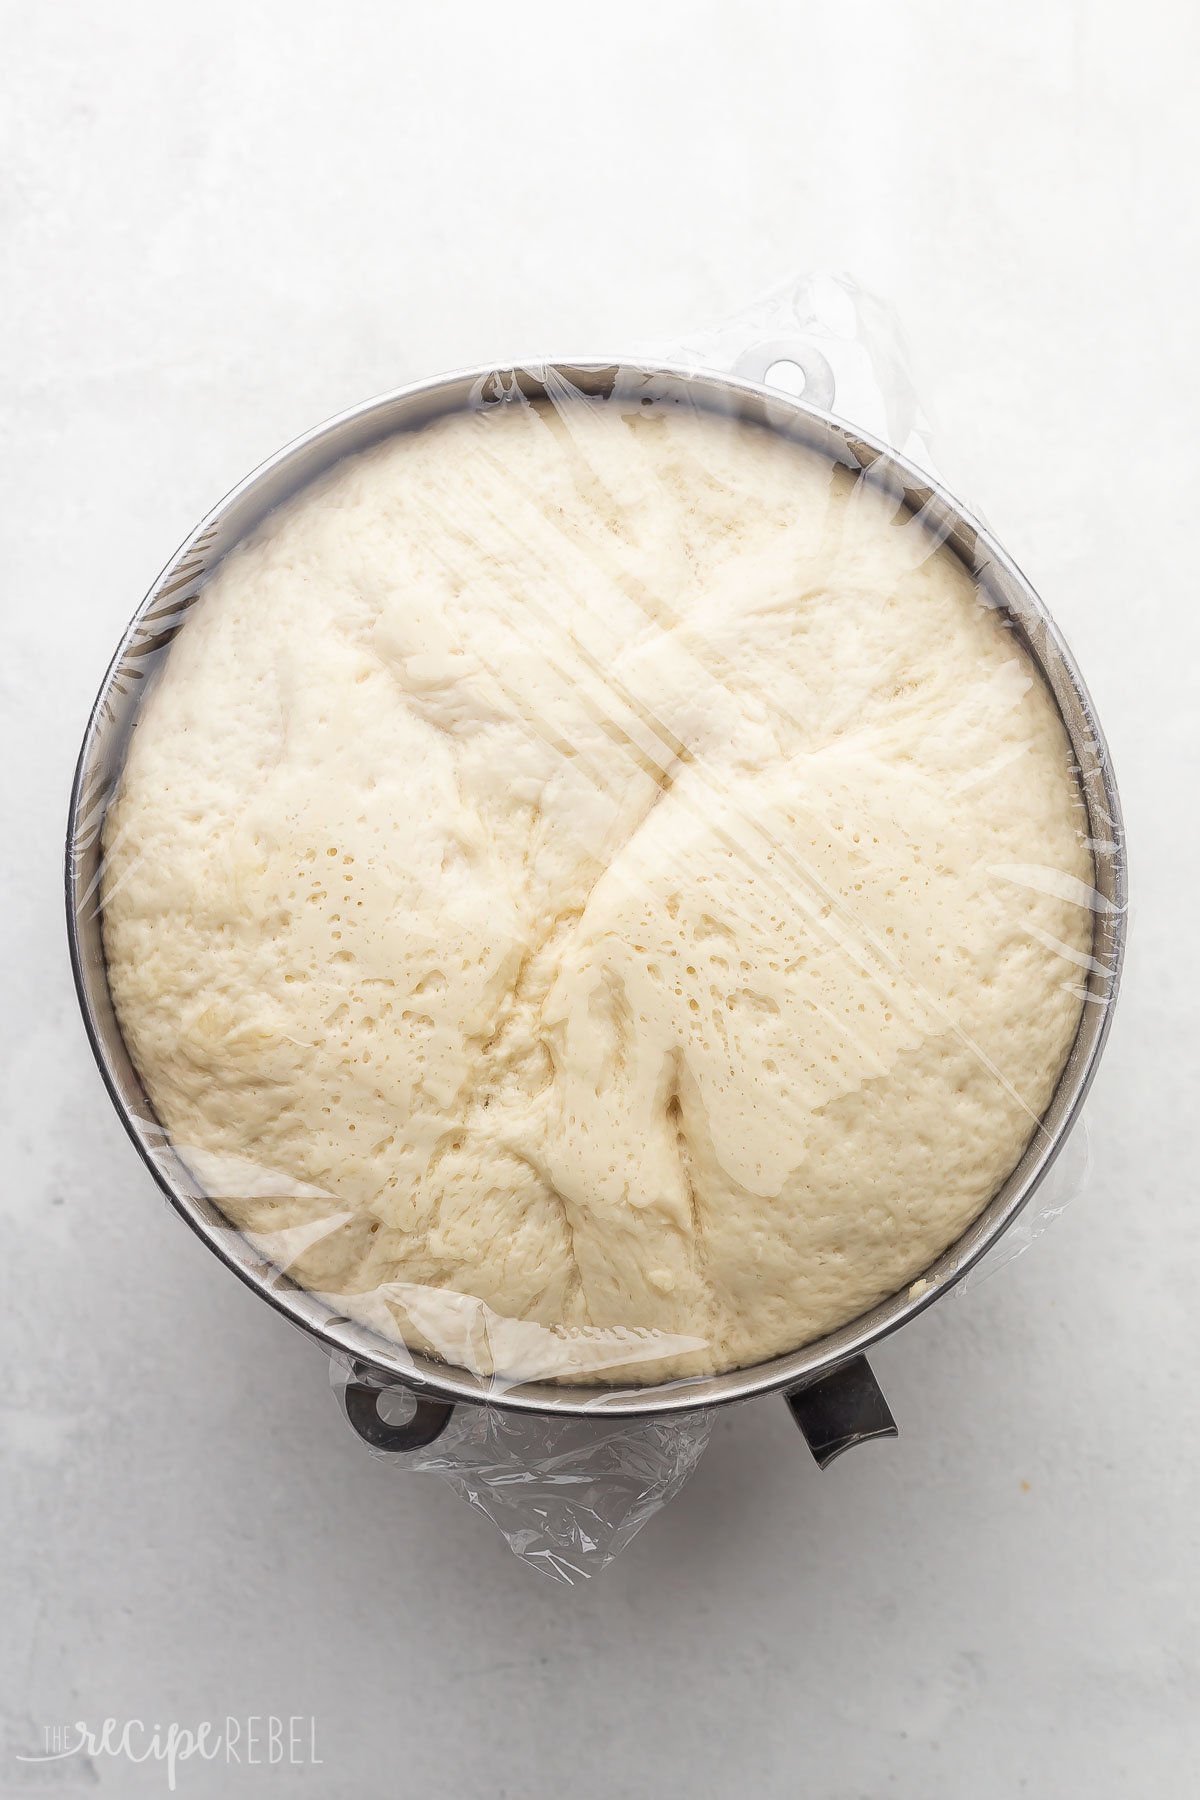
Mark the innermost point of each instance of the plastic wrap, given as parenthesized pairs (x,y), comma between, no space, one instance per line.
(568,1494)
(591,881)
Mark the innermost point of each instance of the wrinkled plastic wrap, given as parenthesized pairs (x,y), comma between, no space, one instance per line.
(594,883)
(567,1493)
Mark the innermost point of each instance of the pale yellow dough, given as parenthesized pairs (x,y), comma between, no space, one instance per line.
(596,893)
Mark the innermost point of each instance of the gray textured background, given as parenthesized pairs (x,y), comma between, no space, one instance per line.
(219,229)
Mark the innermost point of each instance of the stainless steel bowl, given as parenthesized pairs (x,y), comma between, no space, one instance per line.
(828,1384)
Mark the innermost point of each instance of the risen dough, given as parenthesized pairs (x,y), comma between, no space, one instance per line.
(596,891)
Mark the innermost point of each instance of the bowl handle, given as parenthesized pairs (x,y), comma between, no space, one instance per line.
(428,1420)
(839,1409)
(772,356)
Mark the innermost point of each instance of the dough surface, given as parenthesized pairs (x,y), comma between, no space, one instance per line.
(596,893)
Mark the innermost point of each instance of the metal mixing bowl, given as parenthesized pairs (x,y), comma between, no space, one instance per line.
(828,1384)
